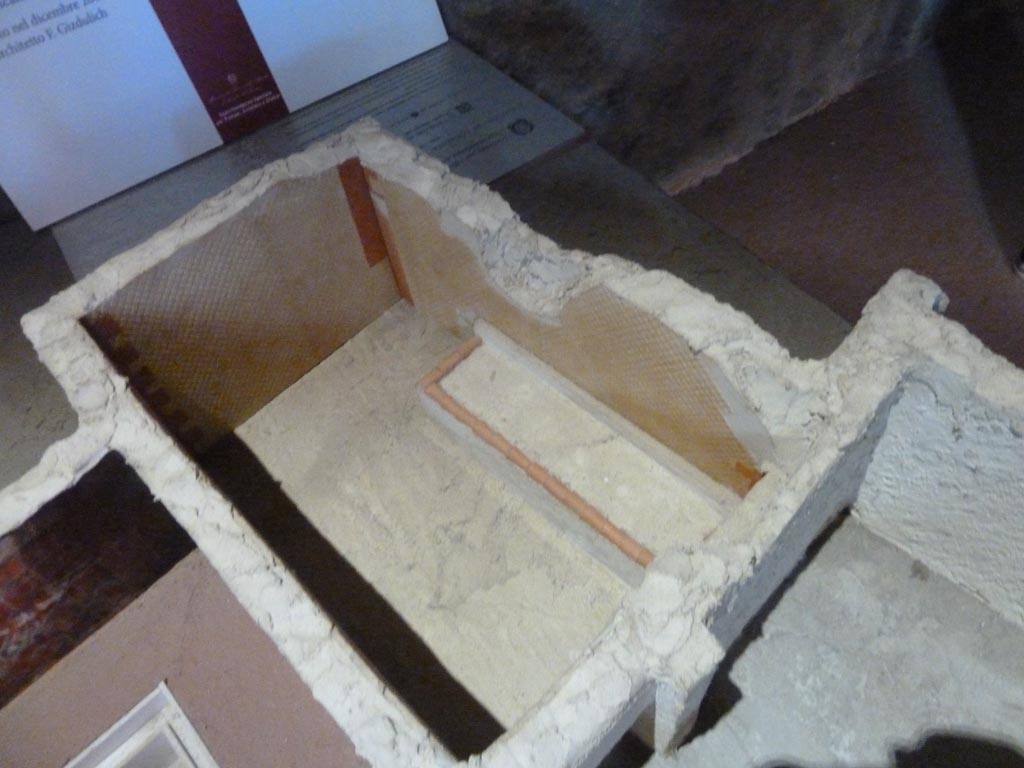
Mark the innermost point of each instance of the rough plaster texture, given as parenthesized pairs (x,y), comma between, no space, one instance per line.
(678,89)
(947,485)
(665,640)
(586,200)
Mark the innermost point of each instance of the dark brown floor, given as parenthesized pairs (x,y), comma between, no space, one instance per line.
(922,167)
(75,564)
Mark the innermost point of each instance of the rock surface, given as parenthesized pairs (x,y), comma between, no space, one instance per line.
(679,89)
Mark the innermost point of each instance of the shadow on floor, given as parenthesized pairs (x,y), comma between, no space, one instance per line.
(398,655)
(371,624)
(948,750)
(723,694)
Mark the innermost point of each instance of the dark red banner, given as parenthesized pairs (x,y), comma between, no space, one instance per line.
(222,58)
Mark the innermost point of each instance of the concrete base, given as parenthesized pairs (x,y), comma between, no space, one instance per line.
(866,653)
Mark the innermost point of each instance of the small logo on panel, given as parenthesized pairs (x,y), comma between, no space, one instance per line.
(521,127)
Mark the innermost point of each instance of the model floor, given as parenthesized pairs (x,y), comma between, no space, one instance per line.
(503,599)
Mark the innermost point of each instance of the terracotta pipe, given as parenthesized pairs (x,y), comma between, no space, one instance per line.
(431,384)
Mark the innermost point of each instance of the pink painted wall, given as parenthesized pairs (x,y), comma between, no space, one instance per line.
(245,700)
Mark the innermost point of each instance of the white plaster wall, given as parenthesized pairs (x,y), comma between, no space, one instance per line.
(947,485)
(657,637)
(825,418)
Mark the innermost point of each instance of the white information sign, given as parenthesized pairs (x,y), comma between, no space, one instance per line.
(99,95)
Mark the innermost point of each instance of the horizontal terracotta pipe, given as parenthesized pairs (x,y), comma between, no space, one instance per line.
(431,384)
(447,365)
(751,474)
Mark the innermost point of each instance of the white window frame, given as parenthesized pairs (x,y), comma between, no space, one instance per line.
(156,715)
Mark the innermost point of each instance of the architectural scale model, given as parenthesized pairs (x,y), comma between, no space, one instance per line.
(575,480)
